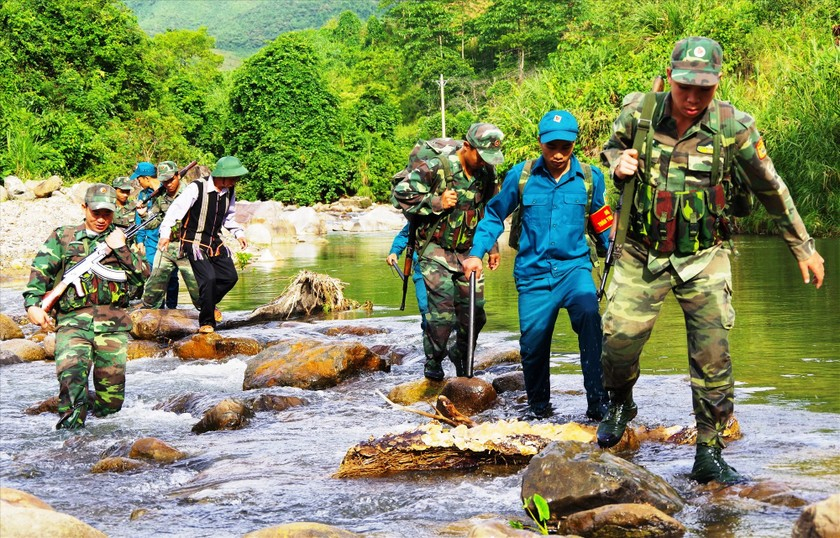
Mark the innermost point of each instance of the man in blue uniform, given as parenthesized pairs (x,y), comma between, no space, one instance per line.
(553,268)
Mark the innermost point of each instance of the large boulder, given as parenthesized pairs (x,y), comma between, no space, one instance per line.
(592,478)
(307,221)
(156,323)
(14,186)
(25,350)
(45,188)
(819,520)
(310,364)
(9,329)
(380,219)
(150,448)
(76,193)
(267,224)
(302,530)
(214,346)
(470,395)
(23,515)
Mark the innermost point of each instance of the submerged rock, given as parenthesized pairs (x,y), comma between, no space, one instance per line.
(470,395)
(150,448)
(214,346)
(592,478)
(229,414)
(310,364)
(116,464)
(302,530)
(158,323)
(638,520)
(25,350)
(819,520)
(141,349)
(423,390)
(273,402)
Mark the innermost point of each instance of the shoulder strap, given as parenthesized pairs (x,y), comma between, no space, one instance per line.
(644,133)
(524,176)
(587,181)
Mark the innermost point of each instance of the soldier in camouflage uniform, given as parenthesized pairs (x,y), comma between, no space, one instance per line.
(124,214)
(171,258)
(676,241)
(92,330)
(449,200)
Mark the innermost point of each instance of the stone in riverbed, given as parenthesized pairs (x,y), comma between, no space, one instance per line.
(150,448)
(470,395)
(24,515)
(302,530)
(229,414)
(623,520)
(214,346)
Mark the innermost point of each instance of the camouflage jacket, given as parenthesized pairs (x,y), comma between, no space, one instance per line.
(452,229)
(124,216)
(161,205)
(102,308)
(679,164)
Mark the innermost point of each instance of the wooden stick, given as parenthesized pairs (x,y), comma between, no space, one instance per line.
(435,416)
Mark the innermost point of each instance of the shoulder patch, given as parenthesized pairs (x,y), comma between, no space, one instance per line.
(760,150)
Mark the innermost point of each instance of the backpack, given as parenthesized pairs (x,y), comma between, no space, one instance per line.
(424,150)
(516,216)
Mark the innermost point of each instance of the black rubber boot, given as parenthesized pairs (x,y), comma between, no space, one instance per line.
(433,370)
(622,410)
(709,466)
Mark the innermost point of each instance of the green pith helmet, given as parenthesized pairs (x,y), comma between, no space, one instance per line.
(229,167)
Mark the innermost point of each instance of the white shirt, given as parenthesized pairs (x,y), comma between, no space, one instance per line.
(185,201)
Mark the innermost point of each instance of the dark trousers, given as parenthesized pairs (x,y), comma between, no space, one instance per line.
(215,276)
(172,290)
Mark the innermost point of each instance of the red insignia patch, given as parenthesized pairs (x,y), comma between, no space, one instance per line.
(760,149)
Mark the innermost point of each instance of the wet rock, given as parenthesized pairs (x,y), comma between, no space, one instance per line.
(49,346)
(639,520)
(153,324)
(9,330)
(47,187)
(766,491)
(509,382)
(819,520)
(470,395)
(50,405)
(593,478)
(141,349)
(273,402)
(229,414)
(685,435)
(25,350)
(423,390)
(353,330)
(24,516)
(302,530)
(116,465)
(309,364)
(187,402)
(137,513)
(214,346)
(394,354)
(495,358)
(486,526)
(150,448)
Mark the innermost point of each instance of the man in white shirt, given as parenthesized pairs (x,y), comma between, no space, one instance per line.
(204,207)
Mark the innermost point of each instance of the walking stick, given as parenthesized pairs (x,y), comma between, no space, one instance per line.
(471,328)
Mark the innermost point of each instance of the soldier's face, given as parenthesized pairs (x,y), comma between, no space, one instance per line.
(224,182)
(557,155)
(171,186)
(472,159)
(689,102)
(145,181)
(97,220)
(122,196)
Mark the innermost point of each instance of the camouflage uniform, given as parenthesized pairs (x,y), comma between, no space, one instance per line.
(447,236)
(92,330)
(700,280)
(168,260)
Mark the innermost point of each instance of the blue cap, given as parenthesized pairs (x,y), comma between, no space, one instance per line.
(558,125)
(144,169)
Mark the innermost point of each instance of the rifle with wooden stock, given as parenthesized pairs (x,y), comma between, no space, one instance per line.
(628,194)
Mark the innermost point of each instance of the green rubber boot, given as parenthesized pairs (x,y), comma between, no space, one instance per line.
(709,466)
(433,370)
(621,411)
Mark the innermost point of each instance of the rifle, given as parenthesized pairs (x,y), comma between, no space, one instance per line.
(409,260)
(91,263)
(628,194)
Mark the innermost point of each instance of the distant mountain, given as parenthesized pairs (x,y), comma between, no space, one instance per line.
(243,26)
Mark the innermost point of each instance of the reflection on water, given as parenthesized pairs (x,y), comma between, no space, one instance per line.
(785,341)
(279,468)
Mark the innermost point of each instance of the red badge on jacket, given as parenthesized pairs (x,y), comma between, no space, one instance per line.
(601,219)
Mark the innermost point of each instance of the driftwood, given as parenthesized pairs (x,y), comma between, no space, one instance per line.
(306,293)
(444,412)
(432,447)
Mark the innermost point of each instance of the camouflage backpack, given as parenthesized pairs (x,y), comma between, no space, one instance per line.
(424,150)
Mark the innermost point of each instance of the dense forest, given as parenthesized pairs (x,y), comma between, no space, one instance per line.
(332,111)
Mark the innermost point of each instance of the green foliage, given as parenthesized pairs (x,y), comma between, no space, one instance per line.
(537,509)
(243,259)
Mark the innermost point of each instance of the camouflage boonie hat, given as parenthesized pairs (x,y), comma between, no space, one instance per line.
(122,183)
(101,196)
(696,61)
(166,170)
(487,139)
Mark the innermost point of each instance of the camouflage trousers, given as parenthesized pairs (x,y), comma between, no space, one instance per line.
(77,350)
(155,290)
(448,293)
(635,299)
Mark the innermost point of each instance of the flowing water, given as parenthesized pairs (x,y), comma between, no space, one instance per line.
(279,468)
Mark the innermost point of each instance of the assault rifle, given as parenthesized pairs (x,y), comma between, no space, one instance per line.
(92,264)
(625,204)
(409,260)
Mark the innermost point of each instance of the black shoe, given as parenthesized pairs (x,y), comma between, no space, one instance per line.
(612,427)
(709,466)
(433,370)
(539,412)
(598,412)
